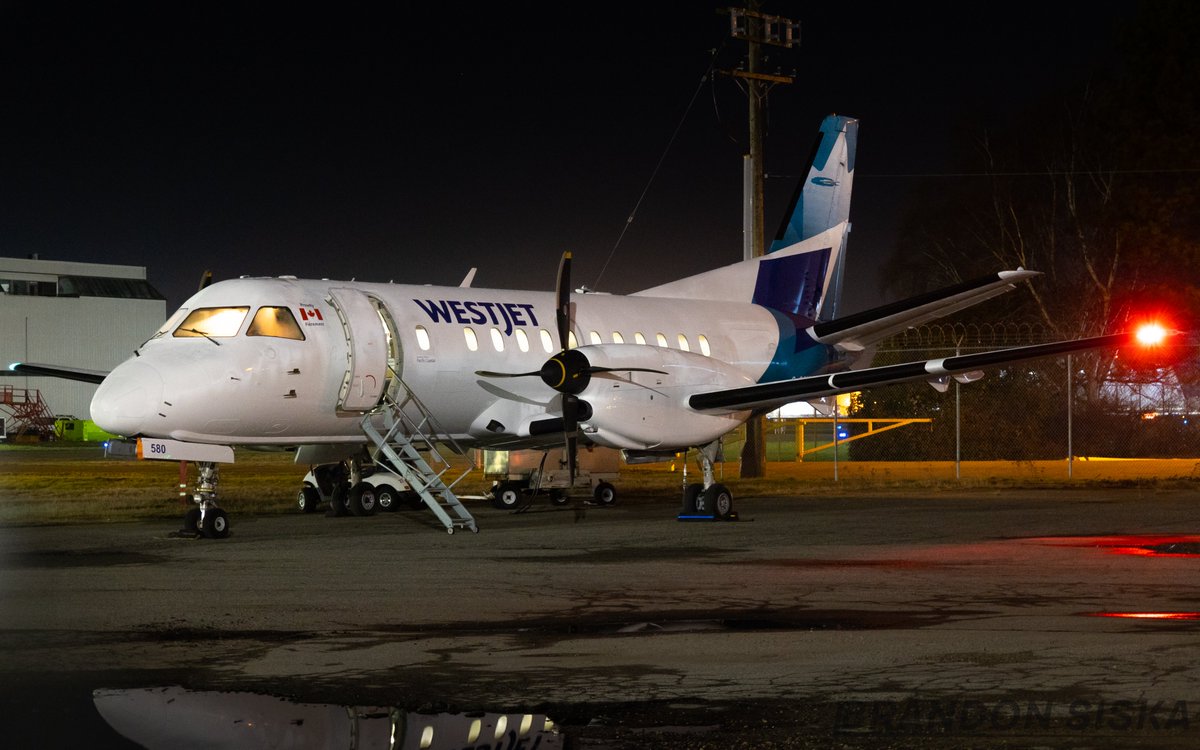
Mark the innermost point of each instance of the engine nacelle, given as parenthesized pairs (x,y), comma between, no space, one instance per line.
(648,410)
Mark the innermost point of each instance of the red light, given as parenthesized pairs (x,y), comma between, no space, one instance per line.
(1150,334)
(1150,615)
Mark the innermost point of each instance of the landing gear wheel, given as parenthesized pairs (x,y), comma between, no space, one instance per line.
(337,502)
(308,499)
(718,501)
(191,521)
(605,493)
(558,497)
(216,524)
(506,496)
(387,497)
(362,500)
(691,498)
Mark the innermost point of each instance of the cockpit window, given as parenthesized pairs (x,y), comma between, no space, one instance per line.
(277,322)
(212,322)
(171,322)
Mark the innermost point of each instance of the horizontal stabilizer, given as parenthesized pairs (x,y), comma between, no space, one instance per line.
(776,394)
(860,330)
(32,369)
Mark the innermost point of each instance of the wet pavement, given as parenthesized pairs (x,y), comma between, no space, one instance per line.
(1063,618)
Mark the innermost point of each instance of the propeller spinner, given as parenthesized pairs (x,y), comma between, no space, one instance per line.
(569,371)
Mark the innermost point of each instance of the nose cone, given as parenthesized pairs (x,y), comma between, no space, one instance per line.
(128,398)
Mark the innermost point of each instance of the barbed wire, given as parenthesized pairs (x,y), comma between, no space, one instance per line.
(968,335)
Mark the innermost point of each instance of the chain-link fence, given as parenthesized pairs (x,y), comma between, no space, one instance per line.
(1095,404)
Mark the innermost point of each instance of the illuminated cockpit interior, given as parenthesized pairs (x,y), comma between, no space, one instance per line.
(277,322)
(212,322)
(225,322)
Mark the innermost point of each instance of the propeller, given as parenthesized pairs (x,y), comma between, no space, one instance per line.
(569,371)
(555,373)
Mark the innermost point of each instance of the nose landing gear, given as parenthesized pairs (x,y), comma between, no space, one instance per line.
(206,518)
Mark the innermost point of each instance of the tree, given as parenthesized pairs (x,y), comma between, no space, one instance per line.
(1096,187)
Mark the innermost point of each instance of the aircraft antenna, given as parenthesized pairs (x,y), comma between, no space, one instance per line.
(704,79)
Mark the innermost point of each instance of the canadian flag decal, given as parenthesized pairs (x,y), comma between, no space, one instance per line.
(310,313)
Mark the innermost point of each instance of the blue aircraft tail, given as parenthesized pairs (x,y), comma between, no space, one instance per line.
(822,201)
(800,276)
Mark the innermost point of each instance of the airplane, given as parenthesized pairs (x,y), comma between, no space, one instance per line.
(349,372)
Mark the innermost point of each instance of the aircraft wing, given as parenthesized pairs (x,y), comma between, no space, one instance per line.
(765,396)
(33,369)
(855,332)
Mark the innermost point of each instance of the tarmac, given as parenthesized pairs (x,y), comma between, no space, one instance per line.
(982,618)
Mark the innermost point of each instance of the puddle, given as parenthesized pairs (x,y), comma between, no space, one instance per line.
(80,559)
(1149,616)
(170,718)
(805,620)
(1145,545)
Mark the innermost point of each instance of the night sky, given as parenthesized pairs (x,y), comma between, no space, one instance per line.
(412,145)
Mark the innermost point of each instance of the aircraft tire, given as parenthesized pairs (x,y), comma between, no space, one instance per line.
(363,500)
(387,497)
(691,494)
(718,501)
(605,493)
(191,521)
(308,499)
(337,502)
(216,524)
(506,496)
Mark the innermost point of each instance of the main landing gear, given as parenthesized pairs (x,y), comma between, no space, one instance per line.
(206,519)
(710,501)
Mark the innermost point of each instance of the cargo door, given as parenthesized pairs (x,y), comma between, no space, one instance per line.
(366,350)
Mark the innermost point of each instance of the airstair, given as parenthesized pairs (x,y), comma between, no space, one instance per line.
(402,432)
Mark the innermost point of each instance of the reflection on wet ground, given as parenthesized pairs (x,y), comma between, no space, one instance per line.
(174,718)
(1177,545)
(934,622)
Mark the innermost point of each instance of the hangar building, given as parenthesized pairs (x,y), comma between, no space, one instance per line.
(89,315)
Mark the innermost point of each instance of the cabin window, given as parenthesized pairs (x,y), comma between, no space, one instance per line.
(212,322)
(638,338)
(683,343)
(276,322)
(547,342)
(422,338)
(594,337)
(571,342)
(662,340)
(618,338)
(704,349)
(497,340)
(522,340)
(472,340)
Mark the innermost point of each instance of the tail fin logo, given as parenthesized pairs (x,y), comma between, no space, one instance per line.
(825,181)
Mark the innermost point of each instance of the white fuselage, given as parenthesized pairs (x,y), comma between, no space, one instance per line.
(247,384)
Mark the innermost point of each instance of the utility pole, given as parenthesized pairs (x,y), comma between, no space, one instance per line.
(758,29)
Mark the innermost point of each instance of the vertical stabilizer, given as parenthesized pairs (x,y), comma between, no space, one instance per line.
(822,200)
(800,277)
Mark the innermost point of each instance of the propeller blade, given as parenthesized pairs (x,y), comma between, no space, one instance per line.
(572,446)
(490,374)
(570,408)
(562,301)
